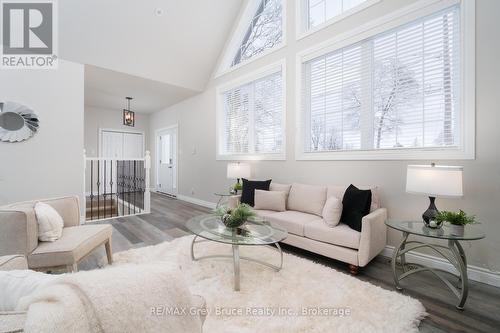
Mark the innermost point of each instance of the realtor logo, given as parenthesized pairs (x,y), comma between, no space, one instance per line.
(28,34)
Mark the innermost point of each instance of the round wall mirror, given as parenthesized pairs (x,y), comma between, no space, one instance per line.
(17,122)
(11,121)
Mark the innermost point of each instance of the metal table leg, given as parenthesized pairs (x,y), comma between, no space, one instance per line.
(236,259)
(454,253)
(236,262)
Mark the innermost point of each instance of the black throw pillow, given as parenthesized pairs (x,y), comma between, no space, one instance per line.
(356,204)
(249,187)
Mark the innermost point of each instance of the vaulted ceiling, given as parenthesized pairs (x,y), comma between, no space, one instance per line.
(169,41)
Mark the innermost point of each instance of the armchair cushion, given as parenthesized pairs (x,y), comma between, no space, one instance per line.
(13,262)
(74,244)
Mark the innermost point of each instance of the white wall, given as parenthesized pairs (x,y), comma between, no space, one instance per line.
(50,163)
(203,174)
(96,118)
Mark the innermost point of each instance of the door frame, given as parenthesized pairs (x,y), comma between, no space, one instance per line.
(104,129)
(176,157)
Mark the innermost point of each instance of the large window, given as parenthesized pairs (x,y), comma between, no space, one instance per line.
(263,32)
(251,117)
(320,11)
(317,14)
(398,90)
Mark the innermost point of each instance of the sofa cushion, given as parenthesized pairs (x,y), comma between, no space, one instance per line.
(355,204)
(249,187)
(264,213)
(280,187)
(332,211)
(74,244)
(307,198)
(339,190)
(270,200)
(341,235)
(293,221)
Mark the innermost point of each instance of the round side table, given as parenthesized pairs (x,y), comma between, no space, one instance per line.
(453,252)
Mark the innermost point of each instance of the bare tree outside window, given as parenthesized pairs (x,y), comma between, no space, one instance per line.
(400,93)
(395,86)
(264,31)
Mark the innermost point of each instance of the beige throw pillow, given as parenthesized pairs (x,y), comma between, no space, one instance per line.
(270,200)
(50,223)
(332,211)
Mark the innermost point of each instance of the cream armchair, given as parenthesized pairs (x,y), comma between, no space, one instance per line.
(19,235)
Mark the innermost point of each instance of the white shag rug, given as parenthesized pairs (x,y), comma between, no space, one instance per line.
(303,297)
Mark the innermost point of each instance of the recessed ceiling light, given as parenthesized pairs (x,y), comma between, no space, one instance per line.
(159,11)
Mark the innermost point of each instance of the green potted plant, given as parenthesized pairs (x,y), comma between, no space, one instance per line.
(234,218)
(457,221)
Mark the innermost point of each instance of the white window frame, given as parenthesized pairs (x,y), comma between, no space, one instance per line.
(253,76)
(237,36)
(302,17)
(466,150)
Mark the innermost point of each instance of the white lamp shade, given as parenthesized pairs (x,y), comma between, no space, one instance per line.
(434,181)
(238,170)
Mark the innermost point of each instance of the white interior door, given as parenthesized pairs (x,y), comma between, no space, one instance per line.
(111,144)
(133,145)
(121,145)
(117,145)
(167,161)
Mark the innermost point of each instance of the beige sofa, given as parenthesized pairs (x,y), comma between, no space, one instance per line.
(19,235)
(307,230)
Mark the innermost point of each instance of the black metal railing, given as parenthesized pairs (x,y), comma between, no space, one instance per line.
(115,188)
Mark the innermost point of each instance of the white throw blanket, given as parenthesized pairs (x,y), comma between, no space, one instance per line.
(126,298)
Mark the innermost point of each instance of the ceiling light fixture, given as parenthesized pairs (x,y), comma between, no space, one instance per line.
(128,115)
(159,12)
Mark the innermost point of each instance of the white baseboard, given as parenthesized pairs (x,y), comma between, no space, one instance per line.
(474,273)
(196,201)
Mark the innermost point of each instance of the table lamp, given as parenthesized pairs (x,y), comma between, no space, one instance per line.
(236,171)
(434,181)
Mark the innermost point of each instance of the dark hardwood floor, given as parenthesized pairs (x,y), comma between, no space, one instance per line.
(167,219)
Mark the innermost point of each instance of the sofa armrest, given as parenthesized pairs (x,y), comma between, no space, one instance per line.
(373,236)
(14,262)
(18,230)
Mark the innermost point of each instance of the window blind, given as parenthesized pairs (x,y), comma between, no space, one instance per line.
(320,11)
(395,90)
(253,117)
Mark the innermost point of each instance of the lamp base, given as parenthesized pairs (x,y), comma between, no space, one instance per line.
(431,212)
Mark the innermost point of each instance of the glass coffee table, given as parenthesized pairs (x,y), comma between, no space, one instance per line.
(255,232)
(454,253)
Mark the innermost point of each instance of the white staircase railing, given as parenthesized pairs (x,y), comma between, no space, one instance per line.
(116,187)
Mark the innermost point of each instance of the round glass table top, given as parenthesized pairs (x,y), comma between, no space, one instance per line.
(226,194)
(256,231)
(471,232)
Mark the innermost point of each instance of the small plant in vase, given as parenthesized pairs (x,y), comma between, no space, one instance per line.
(234,218)
(457,221)
(235,188)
